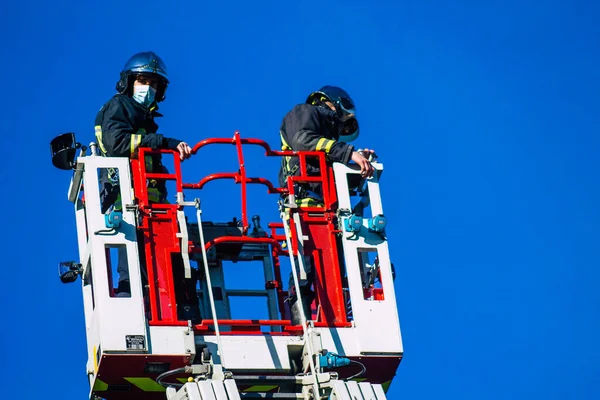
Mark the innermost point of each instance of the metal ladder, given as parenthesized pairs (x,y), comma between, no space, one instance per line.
(248,252)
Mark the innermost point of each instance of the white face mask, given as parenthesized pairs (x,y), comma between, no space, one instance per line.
(144,94)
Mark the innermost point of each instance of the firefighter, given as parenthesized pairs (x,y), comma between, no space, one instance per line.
(325,122)
(123,125)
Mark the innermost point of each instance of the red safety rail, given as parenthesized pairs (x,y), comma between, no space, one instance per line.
(160,227)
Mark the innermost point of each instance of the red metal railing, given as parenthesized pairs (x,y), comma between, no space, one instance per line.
(160,227)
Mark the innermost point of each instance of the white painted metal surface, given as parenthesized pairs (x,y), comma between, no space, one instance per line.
(376,321)
(113,318)
(171,340)
(115,324)
(252,352)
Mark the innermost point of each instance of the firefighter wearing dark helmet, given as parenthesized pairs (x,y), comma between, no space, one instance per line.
(127,121)
(325,122)
(123,125)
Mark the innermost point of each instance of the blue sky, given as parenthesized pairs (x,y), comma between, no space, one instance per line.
(485,115)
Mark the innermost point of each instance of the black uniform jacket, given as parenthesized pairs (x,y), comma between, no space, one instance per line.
(311,128)
(122,127)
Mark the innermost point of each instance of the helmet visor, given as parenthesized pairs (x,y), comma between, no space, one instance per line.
(346,104)
(348,129)
(349,124)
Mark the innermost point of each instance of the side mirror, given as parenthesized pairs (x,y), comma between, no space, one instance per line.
(63,149)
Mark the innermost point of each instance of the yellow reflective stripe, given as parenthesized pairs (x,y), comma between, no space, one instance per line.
(329,145)
(288,159)
(324,144)
(98,129)
(308,202)
(95,356)
(135,143)
(136,139)
(320,144)
(146,384)
(302,203)
(99,386)
(285,146)
(260,388)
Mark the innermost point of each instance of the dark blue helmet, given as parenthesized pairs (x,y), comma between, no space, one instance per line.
(344,107)
(145,63)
